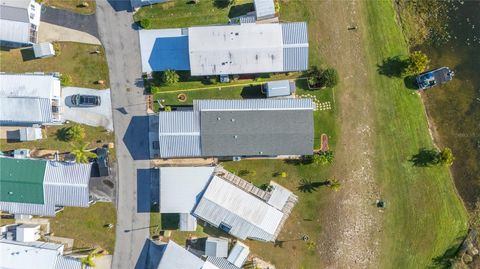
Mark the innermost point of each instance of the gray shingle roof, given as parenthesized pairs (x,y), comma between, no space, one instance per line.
(254,127)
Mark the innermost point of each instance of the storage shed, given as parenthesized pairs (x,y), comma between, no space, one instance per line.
(279,88)
(265,9)
(43,50)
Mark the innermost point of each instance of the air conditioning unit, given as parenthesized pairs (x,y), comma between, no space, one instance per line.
(21,153)
(236,159)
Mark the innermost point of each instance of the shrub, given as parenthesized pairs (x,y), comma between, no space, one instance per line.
(65,80)
(334,184)
(445,157)
(75,132)
(283,174)
(170,77)
(168,109)
(314,74)
(57,48)
(329,78)
(324,157)
(154,89)
(145,23)
(417,63)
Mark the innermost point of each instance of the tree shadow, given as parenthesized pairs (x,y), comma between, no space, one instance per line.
(307,159)
(424,158)
(221,4)
(170,221)
(392,66)
(410,82)
(27,54)
(251,92)
(239,10)
(446,259)
(308,186)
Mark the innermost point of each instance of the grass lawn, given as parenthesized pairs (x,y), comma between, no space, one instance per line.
(181,13)
(425,217)
(96,136)
(72,5)
(86,225)
(187,82)
(305,217)
(75,59)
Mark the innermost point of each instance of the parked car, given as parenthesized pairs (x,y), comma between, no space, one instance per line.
(102,162)
(81,100)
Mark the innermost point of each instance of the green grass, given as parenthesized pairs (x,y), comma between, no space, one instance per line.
(188,83)
(96,136)
(305,217)
(86,226)
(425,216)
(75,59)
(72,5)
(181,13)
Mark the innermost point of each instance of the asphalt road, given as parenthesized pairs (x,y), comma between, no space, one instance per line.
(65,18)
(128,102)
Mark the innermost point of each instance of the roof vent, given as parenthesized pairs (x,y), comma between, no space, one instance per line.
(218,118)
(235,136)
(233,120)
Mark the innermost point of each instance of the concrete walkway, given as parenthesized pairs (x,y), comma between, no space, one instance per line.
(50,32)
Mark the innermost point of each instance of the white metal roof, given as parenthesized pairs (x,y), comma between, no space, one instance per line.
(30,85)
(247,215)
(15,19)
(279,196)
(264,9)
(216,247)
(66,184)
(181,187)
(235,49)
(175,256)
(278,88)
(187,223)
(25,110)
(15,31)
(43,49)
(239,254)
(29,255)
(179,134)
(253,104)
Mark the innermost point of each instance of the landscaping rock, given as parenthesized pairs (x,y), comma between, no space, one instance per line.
(472,251)
(467,258)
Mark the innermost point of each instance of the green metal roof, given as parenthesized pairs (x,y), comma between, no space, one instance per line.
(21,180)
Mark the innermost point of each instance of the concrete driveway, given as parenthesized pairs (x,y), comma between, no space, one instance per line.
(93,116)
(50,32)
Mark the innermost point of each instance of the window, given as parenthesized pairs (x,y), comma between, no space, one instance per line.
(225,227)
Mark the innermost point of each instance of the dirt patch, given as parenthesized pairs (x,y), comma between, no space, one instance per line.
(351,220)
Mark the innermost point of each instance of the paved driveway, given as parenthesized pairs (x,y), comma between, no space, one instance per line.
(84,23)
(93,116)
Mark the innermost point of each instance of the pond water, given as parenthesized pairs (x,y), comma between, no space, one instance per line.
(455,107)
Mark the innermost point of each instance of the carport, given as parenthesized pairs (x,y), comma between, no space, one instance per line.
(164,49)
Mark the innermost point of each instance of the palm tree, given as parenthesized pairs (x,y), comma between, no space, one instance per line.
(334,184)
(82,155)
